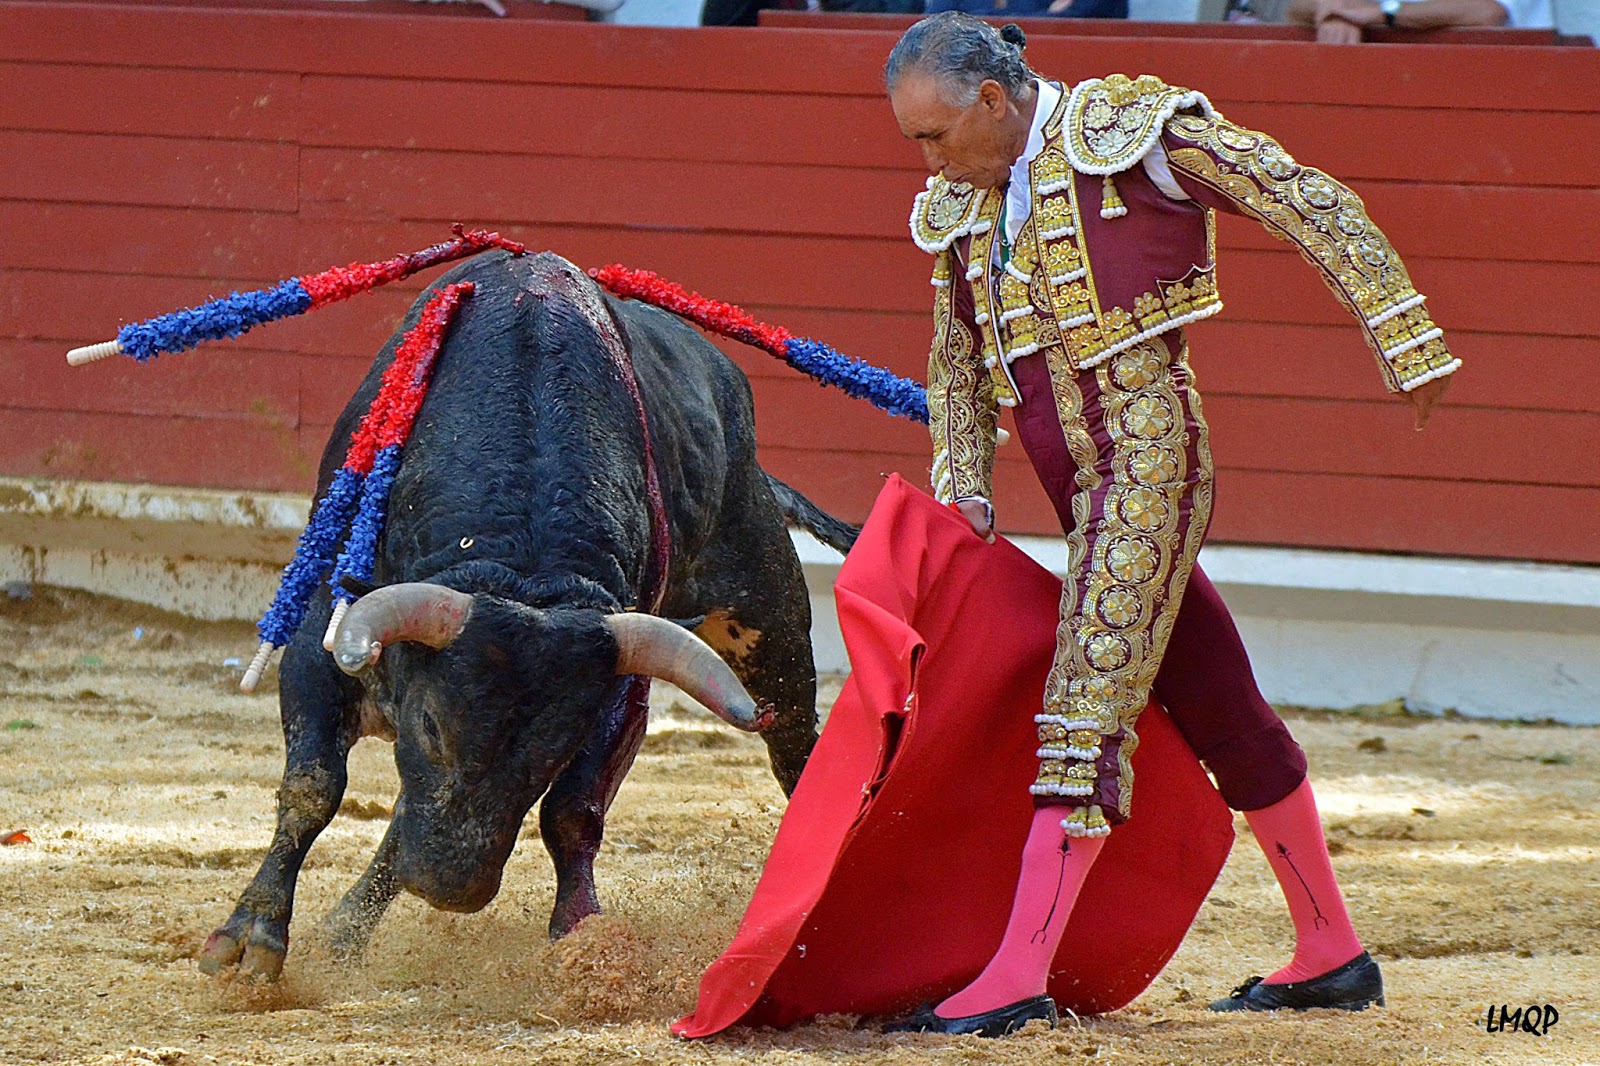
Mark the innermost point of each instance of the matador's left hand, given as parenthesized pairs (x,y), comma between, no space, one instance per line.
(1425,396)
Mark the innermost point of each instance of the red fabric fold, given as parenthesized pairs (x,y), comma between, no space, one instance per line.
(893,870)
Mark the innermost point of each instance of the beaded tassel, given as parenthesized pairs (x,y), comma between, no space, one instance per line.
(1086,822)
(1111,205)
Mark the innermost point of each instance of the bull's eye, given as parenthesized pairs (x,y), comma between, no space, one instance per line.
(431,727)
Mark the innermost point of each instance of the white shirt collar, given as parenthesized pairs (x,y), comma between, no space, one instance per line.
(1019,194)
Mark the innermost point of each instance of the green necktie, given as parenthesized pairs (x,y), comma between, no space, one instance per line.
(1000,225)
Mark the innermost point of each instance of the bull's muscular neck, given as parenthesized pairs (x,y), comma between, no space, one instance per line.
(527,459)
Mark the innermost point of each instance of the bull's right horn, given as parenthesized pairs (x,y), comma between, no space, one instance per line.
(417,611)
(656,647)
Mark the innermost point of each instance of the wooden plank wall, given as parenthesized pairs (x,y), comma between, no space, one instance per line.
(151,156)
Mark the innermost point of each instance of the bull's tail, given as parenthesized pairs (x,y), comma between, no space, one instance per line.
(838,535)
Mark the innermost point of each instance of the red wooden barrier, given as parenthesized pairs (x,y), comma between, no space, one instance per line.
(152,156)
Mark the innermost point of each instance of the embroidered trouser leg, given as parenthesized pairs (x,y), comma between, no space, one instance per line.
(1205,681)
(1140,505)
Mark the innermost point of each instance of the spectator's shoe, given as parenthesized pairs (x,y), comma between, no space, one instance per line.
(1356,985)
(1001,1021)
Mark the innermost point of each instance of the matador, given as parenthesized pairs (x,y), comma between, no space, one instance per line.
(1064,277)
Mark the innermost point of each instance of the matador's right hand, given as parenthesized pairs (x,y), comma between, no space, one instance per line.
(1425,396)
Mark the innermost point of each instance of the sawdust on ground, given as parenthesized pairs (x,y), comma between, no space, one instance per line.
(145,781)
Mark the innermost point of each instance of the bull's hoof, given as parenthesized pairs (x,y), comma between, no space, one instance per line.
(346,933)
(249,949)
(568,913)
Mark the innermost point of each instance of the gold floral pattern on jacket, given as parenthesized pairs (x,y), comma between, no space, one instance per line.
(1113,121)
(1328,224)
(961,404)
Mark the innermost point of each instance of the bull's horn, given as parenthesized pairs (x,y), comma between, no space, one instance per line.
(656,647)
(428,614)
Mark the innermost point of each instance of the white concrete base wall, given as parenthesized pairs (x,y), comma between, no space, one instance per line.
(1324,629)
(1351,629)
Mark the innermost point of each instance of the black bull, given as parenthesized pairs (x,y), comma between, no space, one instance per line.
(523,489)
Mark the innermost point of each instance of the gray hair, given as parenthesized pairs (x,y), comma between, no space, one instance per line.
(962,52)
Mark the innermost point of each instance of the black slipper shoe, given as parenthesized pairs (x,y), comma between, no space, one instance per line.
(998,1022)
(1356,985)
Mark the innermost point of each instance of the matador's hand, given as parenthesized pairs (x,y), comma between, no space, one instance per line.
(1425,396)
(981,515)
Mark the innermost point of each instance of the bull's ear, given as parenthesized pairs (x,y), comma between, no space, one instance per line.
(355,586)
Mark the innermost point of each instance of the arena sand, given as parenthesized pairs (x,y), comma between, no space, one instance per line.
(145,780)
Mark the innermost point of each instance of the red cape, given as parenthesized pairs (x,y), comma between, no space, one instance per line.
(893,870)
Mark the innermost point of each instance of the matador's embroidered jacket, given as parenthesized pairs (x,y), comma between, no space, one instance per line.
(1117,250)
(1106,261)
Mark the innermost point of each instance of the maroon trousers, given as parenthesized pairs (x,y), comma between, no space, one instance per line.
(1205,681)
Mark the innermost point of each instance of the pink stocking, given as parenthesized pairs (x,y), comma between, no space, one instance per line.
(1290,833)
(1053,869)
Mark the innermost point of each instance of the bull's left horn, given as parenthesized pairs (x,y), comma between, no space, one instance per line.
(428,614)
(656,647)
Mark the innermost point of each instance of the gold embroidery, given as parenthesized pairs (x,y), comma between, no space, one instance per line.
(1050,167)
(1328,224)
(1115,117)
(961,406)
(1113,122)
(1131,574)
(942,214)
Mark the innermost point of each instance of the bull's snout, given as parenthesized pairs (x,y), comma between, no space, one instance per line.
(448,885)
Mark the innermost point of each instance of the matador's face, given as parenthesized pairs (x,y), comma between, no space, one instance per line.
(975,144)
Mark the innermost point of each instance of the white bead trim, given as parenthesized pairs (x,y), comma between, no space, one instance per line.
(983,225)
(1165,327)
(939,283)
(1085,789)
(1079,320)
(975,271)
(982,318)
(1126,159)
(1006,401)
(1056,234)
(1059,185)
(1398,309)
(1437,372)
(1071,275)
(1011,268)
(1017,353)
(1073,829)
(991,362)
(1015,313)
(1414,342)
(1113,212)
(1065,722)
(1080,754)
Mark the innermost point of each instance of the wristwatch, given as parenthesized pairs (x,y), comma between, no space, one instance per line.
(1390,9)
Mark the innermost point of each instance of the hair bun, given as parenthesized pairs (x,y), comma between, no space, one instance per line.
(1011,33)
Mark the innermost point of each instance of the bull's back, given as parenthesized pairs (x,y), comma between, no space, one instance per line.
(528,449)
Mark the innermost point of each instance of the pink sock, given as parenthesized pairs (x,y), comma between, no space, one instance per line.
(1053,869)
(1290,832)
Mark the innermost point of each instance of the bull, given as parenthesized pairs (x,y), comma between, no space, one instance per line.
(500,649)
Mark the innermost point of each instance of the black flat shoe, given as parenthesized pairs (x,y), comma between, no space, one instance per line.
(1001,1021)
(1356,985)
